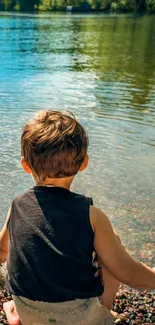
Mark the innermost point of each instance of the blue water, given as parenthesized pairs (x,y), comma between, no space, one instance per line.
(101,68)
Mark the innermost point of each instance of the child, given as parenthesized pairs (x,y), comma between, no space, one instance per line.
(51,234)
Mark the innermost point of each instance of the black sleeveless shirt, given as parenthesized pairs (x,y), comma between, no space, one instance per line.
(51,246)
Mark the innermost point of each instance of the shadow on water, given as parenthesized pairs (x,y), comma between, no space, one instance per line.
(101,68)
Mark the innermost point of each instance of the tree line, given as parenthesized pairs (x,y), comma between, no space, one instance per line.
(102,5)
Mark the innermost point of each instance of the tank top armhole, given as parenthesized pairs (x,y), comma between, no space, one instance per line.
(89,202)
(9,215)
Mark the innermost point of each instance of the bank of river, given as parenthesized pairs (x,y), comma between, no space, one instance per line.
(133,308)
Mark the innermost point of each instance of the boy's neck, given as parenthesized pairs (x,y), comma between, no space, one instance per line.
(57,182)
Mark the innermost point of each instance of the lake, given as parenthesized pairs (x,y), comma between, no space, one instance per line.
(101,68)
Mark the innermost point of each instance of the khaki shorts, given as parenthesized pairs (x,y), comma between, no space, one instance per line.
(77,312)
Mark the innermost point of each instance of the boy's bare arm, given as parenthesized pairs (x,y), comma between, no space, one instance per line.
(4,240)
(114,256)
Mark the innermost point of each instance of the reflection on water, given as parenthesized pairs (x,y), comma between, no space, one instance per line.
(101,68)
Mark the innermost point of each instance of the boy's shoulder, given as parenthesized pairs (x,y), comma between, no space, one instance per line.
(23,196)
(82,197)
(98,219)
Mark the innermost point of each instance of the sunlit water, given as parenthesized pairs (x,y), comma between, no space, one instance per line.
(101,68)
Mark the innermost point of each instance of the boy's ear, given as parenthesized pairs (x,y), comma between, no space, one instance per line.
(25,166)
(84,164)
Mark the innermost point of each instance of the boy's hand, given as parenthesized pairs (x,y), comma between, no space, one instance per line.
(3,256)
(4,239)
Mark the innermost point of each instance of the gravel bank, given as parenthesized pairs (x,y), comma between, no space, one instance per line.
(133,307)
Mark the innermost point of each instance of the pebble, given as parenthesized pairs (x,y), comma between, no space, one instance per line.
(134,307)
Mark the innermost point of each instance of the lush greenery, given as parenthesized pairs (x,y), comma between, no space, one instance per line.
(105,5)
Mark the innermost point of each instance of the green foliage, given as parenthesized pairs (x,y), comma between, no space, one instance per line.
(127,5)
(141,5)
(95,4)
(105,5)
(46,5)
(26,5)
(58,4)
(7,4)
(150,5)
(17,7)
(114,6)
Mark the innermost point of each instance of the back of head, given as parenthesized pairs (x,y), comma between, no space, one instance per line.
(54,144)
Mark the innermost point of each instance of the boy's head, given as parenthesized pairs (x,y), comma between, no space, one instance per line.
(53,145)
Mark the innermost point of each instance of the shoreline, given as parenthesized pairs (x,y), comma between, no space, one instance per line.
(91,11)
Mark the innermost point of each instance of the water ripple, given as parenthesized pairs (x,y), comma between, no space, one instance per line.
(102,69)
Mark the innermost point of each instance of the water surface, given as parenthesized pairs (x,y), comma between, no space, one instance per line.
(102,68)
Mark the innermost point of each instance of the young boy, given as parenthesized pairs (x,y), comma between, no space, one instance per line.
(51,234)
